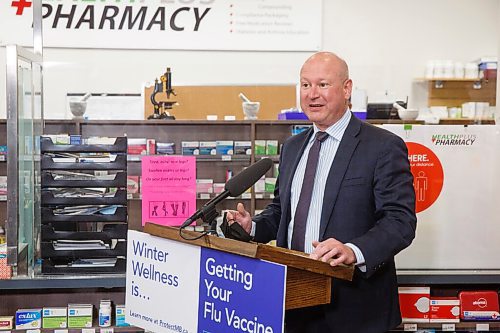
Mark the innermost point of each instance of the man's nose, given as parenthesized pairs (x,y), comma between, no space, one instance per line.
(314,92)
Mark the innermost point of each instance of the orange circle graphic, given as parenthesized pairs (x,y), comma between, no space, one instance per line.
(428,175)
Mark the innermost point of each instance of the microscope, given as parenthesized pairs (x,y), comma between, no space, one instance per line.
(161,90)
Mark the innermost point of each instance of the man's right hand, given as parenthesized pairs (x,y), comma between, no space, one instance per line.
(241,216)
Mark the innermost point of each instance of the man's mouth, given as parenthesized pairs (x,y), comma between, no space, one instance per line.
(315,105)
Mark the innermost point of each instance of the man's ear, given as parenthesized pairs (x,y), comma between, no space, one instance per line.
(347,88)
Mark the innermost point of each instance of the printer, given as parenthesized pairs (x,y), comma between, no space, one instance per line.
(383,110)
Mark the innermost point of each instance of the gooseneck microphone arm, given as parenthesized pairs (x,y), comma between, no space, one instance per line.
(234,187)
(206,208)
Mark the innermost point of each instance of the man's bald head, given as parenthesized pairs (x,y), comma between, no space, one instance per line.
(337,62)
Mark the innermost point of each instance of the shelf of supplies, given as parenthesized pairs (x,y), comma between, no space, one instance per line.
(64,282)
(448,277)
(108,233)
(115,329)
(120,145)
(118,164)
(200,158)
(119,180)
(48,252)
(119,198)
(472,326)
(48,216)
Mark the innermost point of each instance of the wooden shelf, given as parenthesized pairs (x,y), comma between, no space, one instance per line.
(448,79)
(473,326)
(466,121)
(453,92)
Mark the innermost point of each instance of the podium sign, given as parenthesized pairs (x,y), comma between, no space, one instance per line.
(178,287)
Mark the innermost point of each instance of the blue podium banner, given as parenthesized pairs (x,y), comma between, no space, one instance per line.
(239,294)
(177,287)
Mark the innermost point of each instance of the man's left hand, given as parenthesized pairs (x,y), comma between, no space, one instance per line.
(333,249)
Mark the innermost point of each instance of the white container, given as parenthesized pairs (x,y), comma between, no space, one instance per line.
(429,69)
(438,69)
(459,70)
(449,69)
(471,70)
(105,313)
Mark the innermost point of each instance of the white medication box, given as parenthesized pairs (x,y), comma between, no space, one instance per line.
(80,315)
(55,317)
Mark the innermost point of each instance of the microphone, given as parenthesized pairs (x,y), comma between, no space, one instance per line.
(234,187)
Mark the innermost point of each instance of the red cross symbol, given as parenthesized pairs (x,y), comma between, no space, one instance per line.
(21,4)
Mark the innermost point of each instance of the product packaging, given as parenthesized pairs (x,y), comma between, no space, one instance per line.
(479,305)
(445,310)
(55,317)
(28,318)
(414,303)
(6,322)
(80,315)
(120,316)
(105,313)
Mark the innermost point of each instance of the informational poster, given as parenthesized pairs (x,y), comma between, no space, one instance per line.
(456,172)
(168,189)
(261,25)
(177,287)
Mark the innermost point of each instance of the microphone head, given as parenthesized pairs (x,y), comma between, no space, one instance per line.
(246,178)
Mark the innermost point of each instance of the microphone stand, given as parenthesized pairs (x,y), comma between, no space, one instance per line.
(207,213)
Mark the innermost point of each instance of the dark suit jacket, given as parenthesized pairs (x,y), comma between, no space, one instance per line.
(369,201)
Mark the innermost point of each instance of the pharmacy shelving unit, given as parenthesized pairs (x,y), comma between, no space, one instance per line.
(110,229)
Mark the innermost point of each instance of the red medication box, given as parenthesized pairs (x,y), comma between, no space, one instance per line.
(479,305)
(445,310)
(414,303)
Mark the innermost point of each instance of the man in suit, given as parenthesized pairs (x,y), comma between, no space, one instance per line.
(360,208)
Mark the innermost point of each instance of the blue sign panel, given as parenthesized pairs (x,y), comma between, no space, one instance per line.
(240,294)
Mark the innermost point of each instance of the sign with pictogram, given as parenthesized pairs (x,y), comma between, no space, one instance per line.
(428,175)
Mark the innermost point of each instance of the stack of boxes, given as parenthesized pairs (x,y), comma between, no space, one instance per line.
(417,306)
(72,316)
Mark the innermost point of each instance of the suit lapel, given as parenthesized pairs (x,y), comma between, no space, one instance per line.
(337,172)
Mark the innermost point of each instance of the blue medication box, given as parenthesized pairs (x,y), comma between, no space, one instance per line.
(28,318)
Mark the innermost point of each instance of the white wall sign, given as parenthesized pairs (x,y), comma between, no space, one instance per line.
(262,25)
(455,171)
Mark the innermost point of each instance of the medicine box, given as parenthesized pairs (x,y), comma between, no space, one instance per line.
(270,183)
(445,310)
(414,303)
(28,318)
(190,147)
(120,315)
(137,146)
(271,147)
(479,305)
(80,315)
(243,148)
(151,146)
(55,317)
(225,147)
(208,148)
(6,322)
(75,139)
(5,270)
(260,147)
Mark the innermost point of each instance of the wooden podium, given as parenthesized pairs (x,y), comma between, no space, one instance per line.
(308,281)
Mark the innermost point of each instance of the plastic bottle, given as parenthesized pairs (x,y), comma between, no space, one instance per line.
(105,313)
